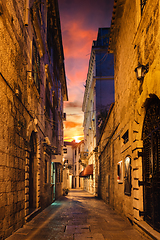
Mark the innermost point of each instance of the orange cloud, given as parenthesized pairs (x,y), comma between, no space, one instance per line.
(68,124)
(80,22)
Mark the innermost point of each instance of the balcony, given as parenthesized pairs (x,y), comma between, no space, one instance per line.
(83,159)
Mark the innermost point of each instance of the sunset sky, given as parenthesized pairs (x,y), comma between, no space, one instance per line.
(80,21)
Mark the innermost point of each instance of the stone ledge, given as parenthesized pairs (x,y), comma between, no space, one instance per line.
(147,229)
(32,214)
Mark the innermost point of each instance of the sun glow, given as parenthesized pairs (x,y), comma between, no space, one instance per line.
(77,139)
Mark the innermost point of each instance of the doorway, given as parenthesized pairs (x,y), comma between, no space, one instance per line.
(151,163)
(53,180)
(32,173)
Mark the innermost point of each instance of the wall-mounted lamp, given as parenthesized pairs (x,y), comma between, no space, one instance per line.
(141,70)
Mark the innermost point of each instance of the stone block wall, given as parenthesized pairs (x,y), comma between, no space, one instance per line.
(134,40)
(22,112)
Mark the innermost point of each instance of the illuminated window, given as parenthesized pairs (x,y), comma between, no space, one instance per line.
(127,185)
(52,173)
(120,172)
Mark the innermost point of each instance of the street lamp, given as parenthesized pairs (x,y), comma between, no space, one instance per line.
(141,70)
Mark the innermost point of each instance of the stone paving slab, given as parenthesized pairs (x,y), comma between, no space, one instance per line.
(71,219)
(77,229)
(89,236)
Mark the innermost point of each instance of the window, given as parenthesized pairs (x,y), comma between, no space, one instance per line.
(66,161)
(36,66)
(120,172)
(127,186)
(143,3)
(75,182)
(52,173)
(47,99)
(64,150)
(45,172)
(125,137)
(58,173)
(54,116)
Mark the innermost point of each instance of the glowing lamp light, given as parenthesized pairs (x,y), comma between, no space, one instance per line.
(141,70)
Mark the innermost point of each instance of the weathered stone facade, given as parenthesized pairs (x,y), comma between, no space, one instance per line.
(73,164)
(98,96)
(31,106)
(134,40)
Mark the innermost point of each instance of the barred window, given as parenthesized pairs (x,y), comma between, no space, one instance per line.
(143,3)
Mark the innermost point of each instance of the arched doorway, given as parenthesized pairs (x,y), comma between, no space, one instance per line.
(32,172)
(151,162)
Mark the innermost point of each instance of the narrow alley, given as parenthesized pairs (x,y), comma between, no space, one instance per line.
(77,216)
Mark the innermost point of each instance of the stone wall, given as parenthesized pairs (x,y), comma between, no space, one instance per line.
(134,39)
(22,108)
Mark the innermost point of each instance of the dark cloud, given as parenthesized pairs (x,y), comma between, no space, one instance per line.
(73,104)
(92,13)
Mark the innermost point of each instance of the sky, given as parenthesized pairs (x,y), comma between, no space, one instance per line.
(80,21)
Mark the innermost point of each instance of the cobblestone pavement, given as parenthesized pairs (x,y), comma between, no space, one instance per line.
(79,216)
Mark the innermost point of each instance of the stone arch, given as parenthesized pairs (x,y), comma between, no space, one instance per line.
(151,161)
(137,155)
(32,170)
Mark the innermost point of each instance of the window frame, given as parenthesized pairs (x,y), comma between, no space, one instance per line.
(127,177)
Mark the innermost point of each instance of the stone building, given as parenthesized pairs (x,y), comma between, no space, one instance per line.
(98,96)
(128,150)
(33,88)
(78,166)
(68,165)
(73,164)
